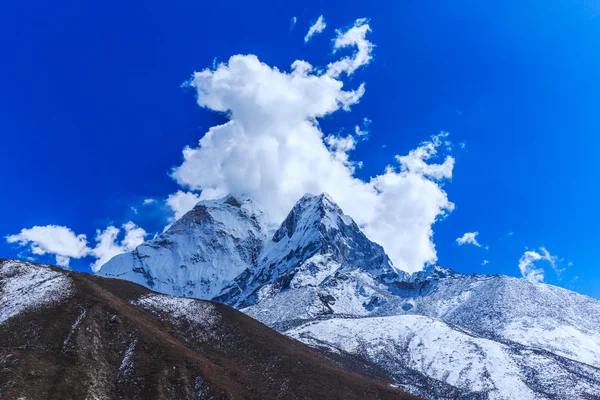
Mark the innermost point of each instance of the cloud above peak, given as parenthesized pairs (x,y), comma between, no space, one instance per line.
(272,148)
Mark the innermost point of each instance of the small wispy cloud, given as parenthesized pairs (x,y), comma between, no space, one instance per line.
(468,238)
(485,262)
(353,37)
(293,22)
(363,131)
(315,28)
(530,271)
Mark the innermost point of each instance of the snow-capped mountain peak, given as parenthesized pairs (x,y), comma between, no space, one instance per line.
(201,252)
(315,245)
(317,225)
(310,216)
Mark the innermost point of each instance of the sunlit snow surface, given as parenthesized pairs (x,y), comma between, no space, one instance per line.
(493,369)
(25,286)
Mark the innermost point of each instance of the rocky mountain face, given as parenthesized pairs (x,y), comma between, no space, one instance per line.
(200,253)
(437,333)
(69,335)
(316,252)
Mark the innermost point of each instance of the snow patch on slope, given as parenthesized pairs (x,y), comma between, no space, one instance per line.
(25,286)
(198,312)
(74,327)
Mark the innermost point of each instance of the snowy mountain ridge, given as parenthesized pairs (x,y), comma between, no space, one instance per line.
(206,248)
(438,333)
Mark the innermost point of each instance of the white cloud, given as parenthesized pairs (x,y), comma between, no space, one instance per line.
(316,28)
(134,236)
(293,22)
(182,202)
(528,268)
(52,239)
(64,244)
(570,264)
(359,132)
(485,262)
(353,37)
(272,149)
(416,160)
(108,245)
(364,130)
(149,201)
(468,238)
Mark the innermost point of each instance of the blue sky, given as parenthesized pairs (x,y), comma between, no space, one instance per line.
(93,116)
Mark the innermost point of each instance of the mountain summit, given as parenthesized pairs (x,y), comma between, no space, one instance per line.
(198,254)
(315,246)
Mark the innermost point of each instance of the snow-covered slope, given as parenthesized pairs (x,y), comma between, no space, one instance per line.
(200,253)
(506,308)
(26,286)
(479,367)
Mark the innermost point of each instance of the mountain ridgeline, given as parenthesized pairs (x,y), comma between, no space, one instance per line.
(317,278)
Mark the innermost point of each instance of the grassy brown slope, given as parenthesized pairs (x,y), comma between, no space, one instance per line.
(238,358)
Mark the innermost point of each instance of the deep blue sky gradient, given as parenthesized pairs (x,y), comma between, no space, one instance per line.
(92,115)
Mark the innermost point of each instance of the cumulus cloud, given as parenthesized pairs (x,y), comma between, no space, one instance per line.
(108,245)
(468,238)
(315,28)
(52,239)
(528,268)
(182,202)
(149,201)
(64,244)
(272,149)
